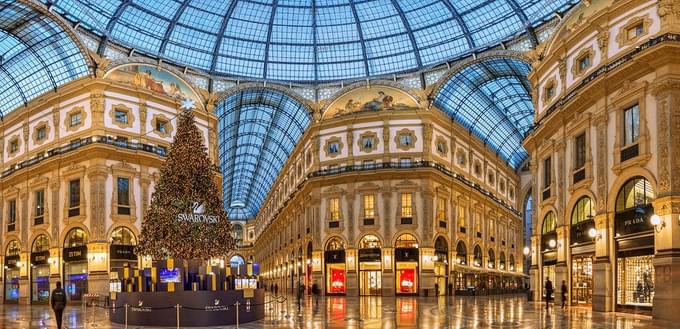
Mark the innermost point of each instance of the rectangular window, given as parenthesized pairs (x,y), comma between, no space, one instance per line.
(160,126)
(406,205)
(547,173)
(14,147)
(123,188)
(369,206)
(11,215)
(635,31)
(334,206)
(75,119)
(478,225)
(461,216)
(550,91)
(40,133)
(39,207)
(580,150)
(121,116)
(441,209)
(631,125)
(584,63)
(74,198)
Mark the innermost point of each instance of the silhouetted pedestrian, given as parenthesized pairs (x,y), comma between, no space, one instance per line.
(548,292)
(58,303)
(564,294)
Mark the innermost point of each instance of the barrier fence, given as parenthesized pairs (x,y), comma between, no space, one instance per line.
(274,302)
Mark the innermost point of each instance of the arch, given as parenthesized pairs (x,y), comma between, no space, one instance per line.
(501,260)
(491,98)
(440,244)
(132,229)
(544,210)
(461,253)
(402,232)
(68,229)
(40,243)
(549,224)
(236,260)
(582,211)
(11,237)
(511,262)
(13,248)
(576,196)
(122,235)
(406,240)
(75,237)
(637,191)
(41,231)
(370,241)
(40,53)
(256,126)
(477,256)
(334,243)
(622,179)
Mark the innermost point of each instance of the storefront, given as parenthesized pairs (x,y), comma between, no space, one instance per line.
(634,247)
(406,264)
(75,264)
(549,252)
(334,257)
(40,270)
(12,272)
(370,266)
(582,249)
(123,258)
(441,265)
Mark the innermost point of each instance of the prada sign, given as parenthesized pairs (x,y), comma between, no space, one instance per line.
(580,231)
(73,254)
(123,252)
(40,258)
(635,220)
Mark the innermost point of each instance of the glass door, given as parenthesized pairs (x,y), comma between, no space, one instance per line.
(582,280)
(371,283)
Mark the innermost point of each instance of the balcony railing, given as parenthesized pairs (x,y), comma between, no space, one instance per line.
(630,152)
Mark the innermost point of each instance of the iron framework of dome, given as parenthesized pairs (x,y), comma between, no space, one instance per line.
(309,40)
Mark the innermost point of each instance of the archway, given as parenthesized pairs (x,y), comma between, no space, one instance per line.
(406,264)
(123,260)
(334,257)
(12,269)
(40,270)
(582,248)
(75,264)
(441,265)
(548,248)
(528,227)
(370,266)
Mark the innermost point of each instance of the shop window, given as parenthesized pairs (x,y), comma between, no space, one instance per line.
(11,215)
(406,208)
(39,210)
(635,280)
(74,198)
(369,206)
(123,194)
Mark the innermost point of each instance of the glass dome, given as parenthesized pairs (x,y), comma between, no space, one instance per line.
(309,40)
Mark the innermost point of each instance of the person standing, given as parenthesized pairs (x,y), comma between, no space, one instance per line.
(58,303)
(564,294)
(548,292)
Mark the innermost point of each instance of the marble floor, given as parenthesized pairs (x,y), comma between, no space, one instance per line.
(376,312)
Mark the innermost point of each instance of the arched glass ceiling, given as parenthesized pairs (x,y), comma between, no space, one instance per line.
(36,55)
(309,40)
(492,98)
(258,129)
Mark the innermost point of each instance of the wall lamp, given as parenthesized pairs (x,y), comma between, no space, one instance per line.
(658,223)
(552,243)
(593,234)
(526,251)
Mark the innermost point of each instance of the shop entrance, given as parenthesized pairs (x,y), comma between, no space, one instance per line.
(40,270)
(370,266)
(406,264)
(75,264)
(12,272)
(582,280)
(441,266)
(334,257)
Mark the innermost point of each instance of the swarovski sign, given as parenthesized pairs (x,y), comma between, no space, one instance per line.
(198,215)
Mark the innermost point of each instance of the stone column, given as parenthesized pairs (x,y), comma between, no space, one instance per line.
(562,266)
(97,249)
(603,285)
(386,216)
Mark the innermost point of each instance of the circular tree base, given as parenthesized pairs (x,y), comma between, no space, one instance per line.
(198,308)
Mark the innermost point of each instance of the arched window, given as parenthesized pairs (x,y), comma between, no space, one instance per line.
(13,248)
(406,241)
(477,260)
(41,243)
(549,223)
(583,210)
(637,192)
(76,237)
(236,261)
(441,249)
(123,236)
(492,259)
(369,242)
(335,244)
(501,258)
(511,263)
(461,253)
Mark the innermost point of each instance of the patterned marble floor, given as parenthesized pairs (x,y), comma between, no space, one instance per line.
(376,312)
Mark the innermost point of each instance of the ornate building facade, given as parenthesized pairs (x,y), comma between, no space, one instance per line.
(604,158)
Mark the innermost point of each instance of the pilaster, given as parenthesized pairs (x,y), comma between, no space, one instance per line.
(97,176)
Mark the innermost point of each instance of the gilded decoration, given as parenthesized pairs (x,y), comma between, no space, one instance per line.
(333,147)
(13,145)
(78,110)
(371,99)
(405,139)
(42,125)
(368,141)
(129,117)
(583,55)
(166,130)
(440,146)
(624,37)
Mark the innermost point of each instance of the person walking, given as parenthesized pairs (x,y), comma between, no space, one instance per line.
(548,292)
(58,303)
(564,294)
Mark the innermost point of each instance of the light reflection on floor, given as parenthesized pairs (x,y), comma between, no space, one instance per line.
(377,312)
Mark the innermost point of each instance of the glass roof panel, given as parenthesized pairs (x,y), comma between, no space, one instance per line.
(258,129)
(339,39)
(36,55)
(492,98)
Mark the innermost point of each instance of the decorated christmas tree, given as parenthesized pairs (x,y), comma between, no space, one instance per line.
(186,218)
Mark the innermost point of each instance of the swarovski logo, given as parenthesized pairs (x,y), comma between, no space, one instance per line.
(217,302)
(197,215)
(140,303)
(198,208)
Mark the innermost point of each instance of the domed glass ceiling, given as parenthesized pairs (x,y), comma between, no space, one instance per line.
(309,40)
(36,55)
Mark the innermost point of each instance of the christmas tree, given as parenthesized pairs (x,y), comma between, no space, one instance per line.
(186,218)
